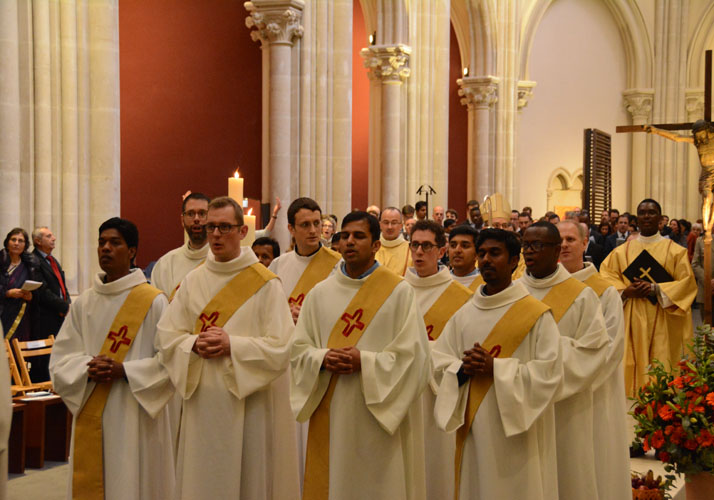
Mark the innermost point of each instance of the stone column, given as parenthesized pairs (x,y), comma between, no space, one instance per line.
(479,96)
(277,25)
(390,65)
(638,103)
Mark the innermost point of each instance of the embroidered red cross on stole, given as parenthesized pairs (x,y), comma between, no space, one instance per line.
(429,329)
(119,338)
(208,320)
(296,300)
(495,350)
(353,321)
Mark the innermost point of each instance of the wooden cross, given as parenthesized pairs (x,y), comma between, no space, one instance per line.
(353,321)
(703,150)
(119,338)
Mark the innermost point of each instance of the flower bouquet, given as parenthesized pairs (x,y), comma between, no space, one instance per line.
(674,412)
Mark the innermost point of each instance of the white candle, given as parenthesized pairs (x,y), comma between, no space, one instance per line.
(249,220)
(235,188)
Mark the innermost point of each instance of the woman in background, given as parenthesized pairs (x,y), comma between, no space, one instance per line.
(17,265)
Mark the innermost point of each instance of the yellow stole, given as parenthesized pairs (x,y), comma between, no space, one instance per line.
(503,340)
(173,293)
(17,321)
(88,475)
(444,308)
(597,283)
(317,270)
(232,296)
(347,331)
(478,280)
(561,296)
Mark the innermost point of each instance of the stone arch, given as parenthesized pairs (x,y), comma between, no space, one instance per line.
(564,190)
(475,29)
(702,37)
(631,24)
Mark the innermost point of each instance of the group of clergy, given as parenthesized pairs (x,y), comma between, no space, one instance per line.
(408,380)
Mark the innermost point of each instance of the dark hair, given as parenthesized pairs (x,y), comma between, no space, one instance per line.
(508,238)
(264,240)
(551,229)
(464,229)
(225,201)
(419,205)
(614,210)
(194,196)
(434,227)
(650,200)
(126,228)
(300,203)
(336,238)
(13,232)
(449,223)
(525,214)
(452,211)
(607,225)
(408,210)
(359,215)
(685,224)
(472,203)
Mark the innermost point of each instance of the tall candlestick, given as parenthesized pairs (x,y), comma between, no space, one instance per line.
(235,188)
(249,220)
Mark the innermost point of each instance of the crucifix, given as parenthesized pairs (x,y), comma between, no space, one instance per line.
(703,139)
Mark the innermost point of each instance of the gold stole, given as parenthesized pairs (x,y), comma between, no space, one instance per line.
(88,475)
(317,270)
(444,308)
(598,284)
(503,340)
(347,331)
(17,321)
(232,296)
(561,296)
(478,280)
(173,293)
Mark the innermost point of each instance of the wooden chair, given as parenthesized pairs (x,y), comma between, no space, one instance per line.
(30,349)
(17,388)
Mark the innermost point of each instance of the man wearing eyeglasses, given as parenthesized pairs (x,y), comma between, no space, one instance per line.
(224,340)
(438,297)
(173,267)
(584,343)
(394,253)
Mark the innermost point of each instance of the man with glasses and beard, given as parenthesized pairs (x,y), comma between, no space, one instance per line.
(173,267)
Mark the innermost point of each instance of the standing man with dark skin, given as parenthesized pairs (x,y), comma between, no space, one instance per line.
(652,331)
(358,338)
(104,363)
(266,249)
(420,212)
(515,350)
(584,344)
(462,256)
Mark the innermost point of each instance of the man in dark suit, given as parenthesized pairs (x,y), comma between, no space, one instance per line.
(594,253)
(621,233)
(52,300)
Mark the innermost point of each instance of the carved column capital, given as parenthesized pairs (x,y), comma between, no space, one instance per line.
(478,92)
(694,102)
(275,21)
(525,92)
(638,103)
(387,62)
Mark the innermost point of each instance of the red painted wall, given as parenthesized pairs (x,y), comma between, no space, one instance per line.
(360,111)
(458,134)
(190,110)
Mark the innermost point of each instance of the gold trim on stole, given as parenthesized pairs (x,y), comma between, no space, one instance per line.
(598,284)
(17,321)
(347,331)
(232,296)
(503,340)
(88,473)
(444,308)
(317,270)
(561,296)
(478,280)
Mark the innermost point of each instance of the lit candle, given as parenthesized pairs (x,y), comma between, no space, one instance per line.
(235,188)
(249,220)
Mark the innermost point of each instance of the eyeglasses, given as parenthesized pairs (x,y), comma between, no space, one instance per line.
(192,214)
(425,245)
(223,228)
(537,246)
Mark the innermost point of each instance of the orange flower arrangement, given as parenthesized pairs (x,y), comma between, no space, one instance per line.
(675,410)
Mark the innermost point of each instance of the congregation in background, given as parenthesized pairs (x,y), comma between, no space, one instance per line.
(456,357)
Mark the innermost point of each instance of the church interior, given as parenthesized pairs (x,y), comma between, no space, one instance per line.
(119,107)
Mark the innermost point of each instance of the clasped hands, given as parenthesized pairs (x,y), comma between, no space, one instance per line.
(638,289)
(212,343)
(477,361)
(343,361)
(104,369)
